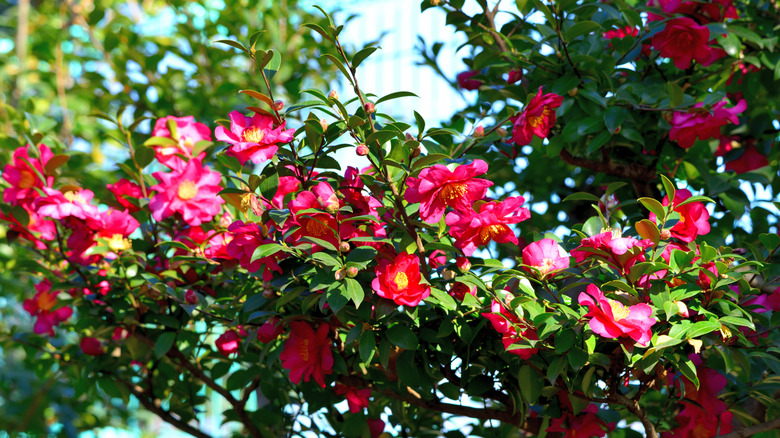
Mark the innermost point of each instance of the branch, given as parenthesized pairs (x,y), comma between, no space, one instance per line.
(639,174)
(638,411)
(160,412)
(752,430)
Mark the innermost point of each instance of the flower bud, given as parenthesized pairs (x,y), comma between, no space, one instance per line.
(268,293)
(278,105)
(617,130)
(665,234)
(409,137)
(361,150)
(682,309)
(91,346)
(369,108)
(344,246)
(340,274)
(514,76)
(463,264)
(573,92)
(333,95)
(324,124)
(191,297)
(417,151)
(501,131)
(479,132)
(352,271)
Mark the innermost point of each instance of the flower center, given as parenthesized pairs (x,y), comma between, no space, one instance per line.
(452,191)
(303,350)
(187,190)
(619,311)
(46,301)
(26,179)
(547,264)
(488,233)
(253,135)
(536,121)
(74,197)
(117,243)
(315,228)
(401,280)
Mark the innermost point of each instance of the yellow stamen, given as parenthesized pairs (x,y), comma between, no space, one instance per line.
(117,243)
(547,264)
(315,228)
(536,121)
(303,350)
(619,311)
(74,197)
(253,135)
(488,233)
(26,180)
(187,190)
(452,191)
(401,280)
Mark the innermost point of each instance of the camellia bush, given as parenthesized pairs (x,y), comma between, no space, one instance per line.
(589,249)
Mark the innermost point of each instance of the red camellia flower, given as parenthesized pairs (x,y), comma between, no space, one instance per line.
(683,40)
(23,179)
(400,280)
(188,133)
(465,81)
(699,123)
(245,238)
(511,327)
(694,217)
(41,307)
(307,353)
(270,330)
(544,257)
(612,319)
(253,138)
(459,290)
(123,190)
(514,76)
(751,159)
(192,192)
(586,424)
(375,427)
(619,252)
(437,188)
(357,398)
(471,230)
(704,12)
(536,119)
(91,346)
(324,225)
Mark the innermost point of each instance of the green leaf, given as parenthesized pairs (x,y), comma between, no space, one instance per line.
(337,62)
(564,341)
(317,28)
(143,156)
(269,185)
(770,241)
(598,141)
(444,299)
(676,94)
(362,55)
(530,383)
(655,207)
(689,370)
(648,230)
(235,44)
(582,196)
(273,65)
(353,290)
(614,117)
(581,28)
(395,95)
(265,250)
(367,346)
(402,336)
(361,254)
(164,343)
(701,328)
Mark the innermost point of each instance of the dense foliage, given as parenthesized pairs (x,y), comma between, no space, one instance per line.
(590,248)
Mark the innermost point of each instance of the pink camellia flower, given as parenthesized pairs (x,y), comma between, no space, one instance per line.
(699,123)
(245,239)
(91,346)
(191,192)
(536,119)
(619,252)
(188,133)
(41,307)
(71,204)
(23,179)
(115,227)
(228,343)
(324,225)
(512,328)
(36,230)
(124,190)
(465,81)
(270,330)
(683,40)
(253,138)
(621,32)
(459,290)
(612,319)
(471,230)
(544,257)
(704,12)
(463,264)
(357,398)
(694,217)
(437,188)
(437,258)
(307,353)
(400,280)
